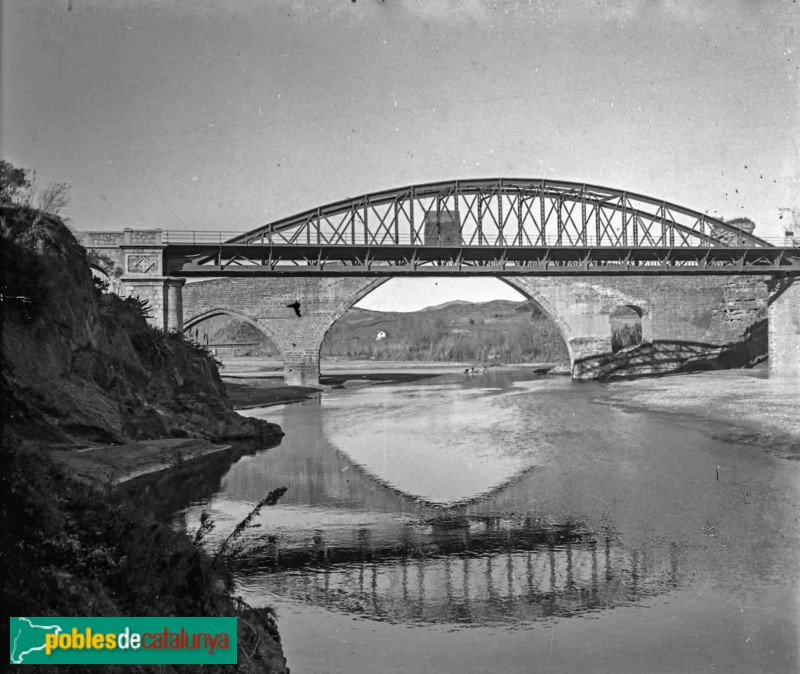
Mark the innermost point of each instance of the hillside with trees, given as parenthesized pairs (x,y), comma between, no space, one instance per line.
(496,331)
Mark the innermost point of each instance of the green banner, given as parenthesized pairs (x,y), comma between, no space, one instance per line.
(122,641)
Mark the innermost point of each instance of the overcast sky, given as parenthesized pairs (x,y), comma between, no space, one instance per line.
(192,114)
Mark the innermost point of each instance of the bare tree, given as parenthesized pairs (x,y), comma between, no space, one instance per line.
(53,199)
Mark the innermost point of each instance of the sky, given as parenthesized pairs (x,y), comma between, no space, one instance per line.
(193,114)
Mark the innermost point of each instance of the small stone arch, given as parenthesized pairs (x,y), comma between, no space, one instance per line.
(580,310)
(625,323)
(105,267)
(107,277)
(268,303)
(191,322)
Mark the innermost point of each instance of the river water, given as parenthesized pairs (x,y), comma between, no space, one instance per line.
(506,523)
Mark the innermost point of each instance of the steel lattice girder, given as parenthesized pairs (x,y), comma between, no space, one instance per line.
(237,259)
(503,212)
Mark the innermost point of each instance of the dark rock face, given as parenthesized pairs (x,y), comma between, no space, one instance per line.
(79,367)
(87,364)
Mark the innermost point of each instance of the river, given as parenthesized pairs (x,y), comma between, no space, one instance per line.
(505,522)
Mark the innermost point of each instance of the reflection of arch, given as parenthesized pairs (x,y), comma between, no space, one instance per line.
(219,311)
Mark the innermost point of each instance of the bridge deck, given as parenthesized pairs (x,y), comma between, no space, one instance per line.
(260,259)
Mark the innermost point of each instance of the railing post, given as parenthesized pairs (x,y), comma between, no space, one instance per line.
(584,231)
(411,216)
(542,215)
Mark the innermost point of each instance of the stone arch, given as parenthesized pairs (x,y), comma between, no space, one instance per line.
(100,269)
(219,311)
(106,275)
(546,307)
(580,309)
(192,321)
(269,304)
(625,324)
(348,304)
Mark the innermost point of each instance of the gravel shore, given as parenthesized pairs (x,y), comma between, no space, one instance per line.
(745,405)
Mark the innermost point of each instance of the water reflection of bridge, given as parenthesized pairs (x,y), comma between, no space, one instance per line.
(317,473)
(398,558)
(481,575)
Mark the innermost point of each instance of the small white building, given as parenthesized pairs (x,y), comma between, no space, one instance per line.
(381,335)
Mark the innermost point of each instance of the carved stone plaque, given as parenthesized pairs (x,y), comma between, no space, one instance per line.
(106,238)
(141,264)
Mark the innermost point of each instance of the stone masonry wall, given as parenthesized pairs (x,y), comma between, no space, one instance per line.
(265,302)
(700,311)
(784,335)
(695,311)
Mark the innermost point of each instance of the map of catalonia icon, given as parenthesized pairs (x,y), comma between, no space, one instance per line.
(28,639)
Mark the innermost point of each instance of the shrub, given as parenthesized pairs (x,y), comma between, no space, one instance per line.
(626,335)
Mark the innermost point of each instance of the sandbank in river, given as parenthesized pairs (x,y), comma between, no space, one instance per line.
(741,406)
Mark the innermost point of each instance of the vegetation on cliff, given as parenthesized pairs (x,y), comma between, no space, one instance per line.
(80,366)
(84,365)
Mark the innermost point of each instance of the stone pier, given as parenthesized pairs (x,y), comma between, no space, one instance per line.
(295,313)
(134,260)
(784,333)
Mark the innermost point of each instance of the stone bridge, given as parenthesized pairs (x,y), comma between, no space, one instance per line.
(701,314)
(703,288)
(708,310)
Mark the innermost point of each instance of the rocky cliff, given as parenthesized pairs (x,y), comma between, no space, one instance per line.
(81,365)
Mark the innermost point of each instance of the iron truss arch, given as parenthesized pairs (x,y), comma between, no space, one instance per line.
(504,212)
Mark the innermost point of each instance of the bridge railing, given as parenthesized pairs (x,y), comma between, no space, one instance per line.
(220,237)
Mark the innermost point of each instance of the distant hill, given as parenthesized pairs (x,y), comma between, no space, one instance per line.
(447,305)
(498,331)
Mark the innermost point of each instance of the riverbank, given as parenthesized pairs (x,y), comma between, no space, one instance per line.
(257,382)
(744,405)
(115,464)
(93,396)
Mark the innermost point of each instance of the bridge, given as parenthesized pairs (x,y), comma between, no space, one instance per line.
(499,557)
(579,251)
